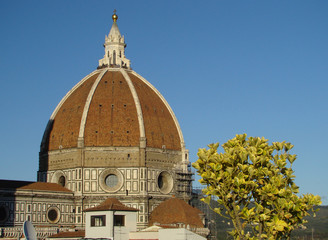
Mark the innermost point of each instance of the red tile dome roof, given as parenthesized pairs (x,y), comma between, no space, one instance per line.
(112,107)
(176,211)
(112,118)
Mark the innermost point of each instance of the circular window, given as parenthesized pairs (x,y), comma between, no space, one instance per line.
(53,215)
(3,213)
(111,180)
(165,182)
(62,181)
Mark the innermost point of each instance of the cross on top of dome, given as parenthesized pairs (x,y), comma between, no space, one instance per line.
(114,16)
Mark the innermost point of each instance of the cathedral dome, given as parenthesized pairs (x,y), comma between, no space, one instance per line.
(112,107)
(114,133)
(112,118)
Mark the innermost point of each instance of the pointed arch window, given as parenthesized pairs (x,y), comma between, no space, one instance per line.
(114,57)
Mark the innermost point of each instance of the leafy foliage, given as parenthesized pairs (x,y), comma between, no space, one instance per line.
(254,183)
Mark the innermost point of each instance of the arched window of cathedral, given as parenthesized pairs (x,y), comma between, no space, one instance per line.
(114,57)
(62,181)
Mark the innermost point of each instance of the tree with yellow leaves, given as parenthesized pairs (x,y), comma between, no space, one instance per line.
(253,183)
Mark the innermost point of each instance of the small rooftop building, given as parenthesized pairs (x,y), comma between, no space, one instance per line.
(110,219)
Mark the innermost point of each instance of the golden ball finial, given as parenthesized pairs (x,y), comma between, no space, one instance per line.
(114,16)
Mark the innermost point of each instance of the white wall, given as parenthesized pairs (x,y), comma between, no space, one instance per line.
(178,234)
(144,235)
(99,232)
(120,233)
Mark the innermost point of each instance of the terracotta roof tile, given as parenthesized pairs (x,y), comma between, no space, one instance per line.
(173,211)
(75,234)
(66,125)
(111,204)
(159,124)
(45,186)
(112,117)
(42,186)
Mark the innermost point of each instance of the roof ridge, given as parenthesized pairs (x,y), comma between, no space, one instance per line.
(44,186)
(111,204)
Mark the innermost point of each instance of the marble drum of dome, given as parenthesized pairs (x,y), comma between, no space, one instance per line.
(113,132)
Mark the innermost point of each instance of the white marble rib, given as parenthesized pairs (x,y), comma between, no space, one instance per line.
(87,103)
(137,103)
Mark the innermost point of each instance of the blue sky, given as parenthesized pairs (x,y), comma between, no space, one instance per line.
(225,67)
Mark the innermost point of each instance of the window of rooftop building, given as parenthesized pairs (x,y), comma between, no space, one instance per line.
(119,220)
(98,221)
